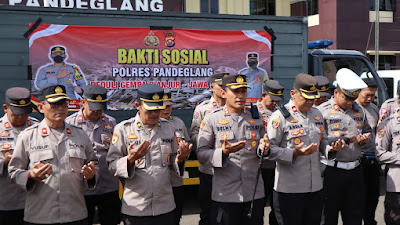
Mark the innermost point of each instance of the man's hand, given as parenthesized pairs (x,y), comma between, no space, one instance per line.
(228,147)
(41,171)
(338,145)
(62,73)
(138,152)
(88,170)
(363,138)
(7,159)
(78,90)
(299,150)
(183,151)
(264,144)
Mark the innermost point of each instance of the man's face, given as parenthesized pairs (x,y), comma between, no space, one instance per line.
(252,63)
(15,120)
(235,98)
(319,101)
(216,89)
(54,112)
(166,112)
(302,104)
(268,102)
(91,114)
(148,117)
(58,57)
(366,96)
(342,101)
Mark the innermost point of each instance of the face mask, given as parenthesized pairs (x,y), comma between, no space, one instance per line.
(58,59)
(252,64)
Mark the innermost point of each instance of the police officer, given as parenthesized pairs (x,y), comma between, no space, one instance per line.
(387,151)
(205,173)
(16,118)
(143,151)
(229,140)
(296,134)
(99,127)
(271,97)
(53,161)
(255,75)
(368,160)
(323,90)
(182,134)
(343,176)
(61,73)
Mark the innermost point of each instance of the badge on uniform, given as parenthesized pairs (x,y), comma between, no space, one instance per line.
(253,134)
(294,109)
(251,121)
(196,115)
(103,119)
(253,144)
(336,133)
(336,126)
(317,118)
(321,128)
(108,127)
(383,111)
(381,132)
(295,133)
(7,125)
(359,124)
(68,131)
(29,123)
(293,120)
(224,135)
(301,131)
(336,107)
(7,154)
(107,138)
(357,114)
(202,124)
(5,146)
(132,136)
(223,122)
(114,138)
(296,141)
(275,123)
(332,111)
(44,131)
(4,134)
(226,111)
(80,118)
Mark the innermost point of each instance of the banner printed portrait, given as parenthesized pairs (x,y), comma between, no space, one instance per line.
(123,58)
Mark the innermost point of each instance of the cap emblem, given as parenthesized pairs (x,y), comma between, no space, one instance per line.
(324,88)
(165,97)
(99,97)
(58,90)
(239,79)
(156,96)
(22,102)
(280,92)
(356,93)
(313,88)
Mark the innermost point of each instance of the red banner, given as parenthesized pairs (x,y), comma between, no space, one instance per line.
(122,58)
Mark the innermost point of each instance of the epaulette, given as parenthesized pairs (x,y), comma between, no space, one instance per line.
(33,119)
(216,110)
(283,110)
(204,102)
(32,127)
(127,122)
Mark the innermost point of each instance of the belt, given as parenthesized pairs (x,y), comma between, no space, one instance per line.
(341,165)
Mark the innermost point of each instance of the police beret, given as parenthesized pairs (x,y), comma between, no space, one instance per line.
(57,49)
(349,83)
(96,97)
(53,93)
(151,96)
(217,78)
(306,84)
(274,89)
(234,81)
(322,85)
(19,100)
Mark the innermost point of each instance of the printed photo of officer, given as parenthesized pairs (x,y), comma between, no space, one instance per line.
(59,72)
(255,76)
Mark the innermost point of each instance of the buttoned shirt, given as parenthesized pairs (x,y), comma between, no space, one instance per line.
(12,197)
(265,113)
(58,198)
(100,133)
(349,123)
(301,174)
(200,112)
(148,188)
(234,175)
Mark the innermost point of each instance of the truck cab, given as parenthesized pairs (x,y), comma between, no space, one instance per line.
(391,78)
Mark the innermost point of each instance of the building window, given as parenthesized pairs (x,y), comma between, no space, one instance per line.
(312,7)
(209,6)
(262,7)
(384,5)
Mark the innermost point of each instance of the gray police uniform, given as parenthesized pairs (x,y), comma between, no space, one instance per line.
(59,198)
(389,107)
(100,133)
(147,189)
(387,151)
(12,197)
(46,76)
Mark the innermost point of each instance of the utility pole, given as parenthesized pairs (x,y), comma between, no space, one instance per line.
(377,35)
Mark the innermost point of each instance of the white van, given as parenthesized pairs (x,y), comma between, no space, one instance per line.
(391,79)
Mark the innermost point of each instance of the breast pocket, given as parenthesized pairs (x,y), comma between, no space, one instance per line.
(6,149)
(336,126)
(166,152)
(252,139)
(77,159)
(43,156)
(221,136)
(106,140)
(296,137)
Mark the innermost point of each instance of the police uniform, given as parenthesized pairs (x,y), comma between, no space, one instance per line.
(12,197)
(148,197)
(343,176)
(58,199)
(255,77)
(234,175)
(297,189)
(205,172)
(47,75)
(105,195)
(389,107)
(275,91)
(387,151)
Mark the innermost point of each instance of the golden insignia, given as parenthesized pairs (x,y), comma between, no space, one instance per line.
(115,138)
(58,90)
(317,118)
(165,97)
(223,122)
(156,96)
(151,40)
(323,88)
(22,102)
(251,121)
(356,92)
(5,146)
(280,92)
(99,97)
(239,79)
(253,144)
(68,131)
(253,134)
(301,131)
(225,135)
(313,88)
(132,136)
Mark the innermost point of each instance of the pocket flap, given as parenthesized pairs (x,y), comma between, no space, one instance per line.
(77,153)
(38,156)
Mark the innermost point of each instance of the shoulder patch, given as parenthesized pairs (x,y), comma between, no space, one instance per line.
(381,132)
(114,138)
(196,115)
(275,123)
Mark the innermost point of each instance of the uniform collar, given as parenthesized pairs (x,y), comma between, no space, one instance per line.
(80,118)
(44,130)
(214,102)
(139,124)
(8,126)
(227,112)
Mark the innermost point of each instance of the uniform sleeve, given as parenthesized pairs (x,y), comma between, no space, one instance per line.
(206,154)
(176,167)
(91,157)
(385,109)
(117,156)
(324,145)
(42,80)
(276,135)
(18,166)
(79,77)
(195,127)
(383,143)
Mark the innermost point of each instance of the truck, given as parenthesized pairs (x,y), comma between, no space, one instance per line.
(290,54)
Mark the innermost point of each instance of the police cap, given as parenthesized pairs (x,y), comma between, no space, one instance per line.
(323,86)
(349,83)
(167,98)
(56,49)
(274,89)
(370,82)
(234,81)
(252,56)
(53,93)
(96,97)
(151,96)
(19,100)
(306,84)
(217,78)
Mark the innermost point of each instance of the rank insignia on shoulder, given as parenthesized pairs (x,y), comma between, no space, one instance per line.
(68,131)
(293,121)
(80,118)
(159,124)
(381,132)
(44,131)
(4,134)
(114,138)
(294,109)
(29,123)
(251,121)
(132,136)
(226,111)
(223,122)
(317,118)
(103,119)
(275,123)
(5,146)
(139,124)
(7,125)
